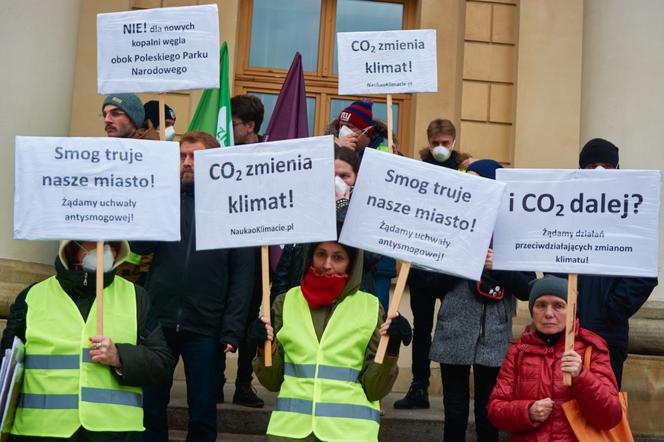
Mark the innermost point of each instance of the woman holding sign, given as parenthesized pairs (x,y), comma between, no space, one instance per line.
(529,398)
(78,385)
(324,335)
(474,329)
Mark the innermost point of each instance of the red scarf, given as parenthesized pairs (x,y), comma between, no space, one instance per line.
(320,289)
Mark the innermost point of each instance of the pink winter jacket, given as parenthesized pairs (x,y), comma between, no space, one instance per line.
(531,371)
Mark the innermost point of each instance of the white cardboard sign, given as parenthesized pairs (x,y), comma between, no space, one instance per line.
(603,222)
(268,193)
(430,216)
(387,62)
(158,50)
(96,189)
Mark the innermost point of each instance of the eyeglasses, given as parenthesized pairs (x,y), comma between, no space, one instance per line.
(115,113)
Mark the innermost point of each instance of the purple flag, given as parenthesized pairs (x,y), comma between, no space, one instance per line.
(289,117)
(288,121)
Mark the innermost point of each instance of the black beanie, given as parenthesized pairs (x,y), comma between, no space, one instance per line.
(598,150)
(549,285)
(152,112)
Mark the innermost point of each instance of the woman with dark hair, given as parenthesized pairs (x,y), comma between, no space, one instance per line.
(290,271)
(324,335)
(473,330)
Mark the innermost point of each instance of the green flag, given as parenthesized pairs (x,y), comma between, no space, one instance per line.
(213,114)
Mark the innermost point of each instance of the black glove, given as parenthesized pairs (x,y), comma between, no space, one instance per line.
(399,331)
(256,333)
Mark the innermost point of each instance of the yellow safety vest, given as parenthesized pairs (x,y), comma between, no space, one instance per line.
(62,388)
(321,392)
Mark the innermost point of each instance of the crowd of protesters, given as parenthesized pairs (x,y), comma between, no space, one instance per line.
(328,314)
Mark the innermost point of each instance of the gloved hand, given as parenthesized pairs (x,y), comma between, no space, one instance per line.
(257,332)
(399,331)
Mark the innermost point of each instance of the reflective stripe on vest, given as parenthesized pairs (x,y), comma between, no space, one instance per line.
(321,392)
(62,388)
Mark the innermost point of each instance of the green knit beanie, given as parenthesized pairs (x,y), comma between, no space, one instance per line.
(129,103)
(549,285)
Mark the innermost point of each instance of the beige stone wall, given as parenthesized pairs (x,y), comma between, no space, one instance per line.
(548,96)
(447,17)
(37,50)
(487,107)
(622,96)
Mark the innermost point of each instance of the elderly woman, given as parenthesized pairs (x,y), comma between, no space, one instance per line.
(325,333)
(529,392)
(78,385)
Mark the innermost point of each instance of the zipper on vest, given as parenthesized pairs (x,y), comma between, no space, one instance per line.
(85,279)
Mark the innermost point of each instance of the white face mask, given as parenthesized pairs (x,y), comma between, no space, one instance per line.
(345,131)
(599,167)
(89,262)
(340,186)
(169,133)
(441,153)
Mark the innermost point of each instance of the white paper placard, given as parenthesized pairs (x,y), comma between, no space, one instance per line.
(158,50)
(430,216)
(387,62)
(268,193)
(603,222)
(96,189)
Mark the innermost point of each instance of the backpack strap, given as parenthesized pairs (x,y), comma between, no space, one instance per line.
(586,359)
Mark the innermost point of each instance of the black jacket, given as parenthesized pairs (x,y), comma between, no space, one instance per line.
(205,292)
(605,304)
(149,362)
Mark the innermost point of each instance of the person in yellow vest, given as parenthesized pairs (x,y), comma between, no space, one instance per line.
(78,385)
(324,336)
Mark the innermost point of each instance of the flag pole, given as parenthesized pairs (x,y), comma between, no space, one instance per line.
(572,282)
(390,146)
(162,118)
(265,270)
(100,288)
(394,307)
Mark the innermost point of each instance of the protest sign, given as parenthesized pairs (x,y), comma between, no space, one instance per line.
(96,189)
(431,216)
(603,222)
(263,194)
(158,50)
(387,62)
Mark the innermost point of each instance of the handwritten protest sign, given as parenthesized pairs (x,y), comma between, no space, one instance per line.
(387,62)
(158,50)
(269,193)
(603,222)
(96,188)
(427,215)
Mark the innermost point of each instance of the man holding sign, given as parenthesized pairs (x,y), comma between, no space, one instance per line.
(78,384)
(605,303)
(201,299)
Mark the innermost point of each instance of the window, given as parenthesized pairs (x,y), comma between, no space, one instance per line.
(271,32)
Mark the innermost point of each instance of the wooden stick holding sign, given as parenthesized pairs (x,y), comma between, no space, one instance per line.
(100,288)
(265,271)
(394,307)
(570,323)
(390,146)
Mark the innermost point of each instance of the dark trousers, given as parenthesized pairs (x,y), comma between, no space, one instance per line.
(456,400)
(200,355)
(247,350)
(423,304)
(618,357)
